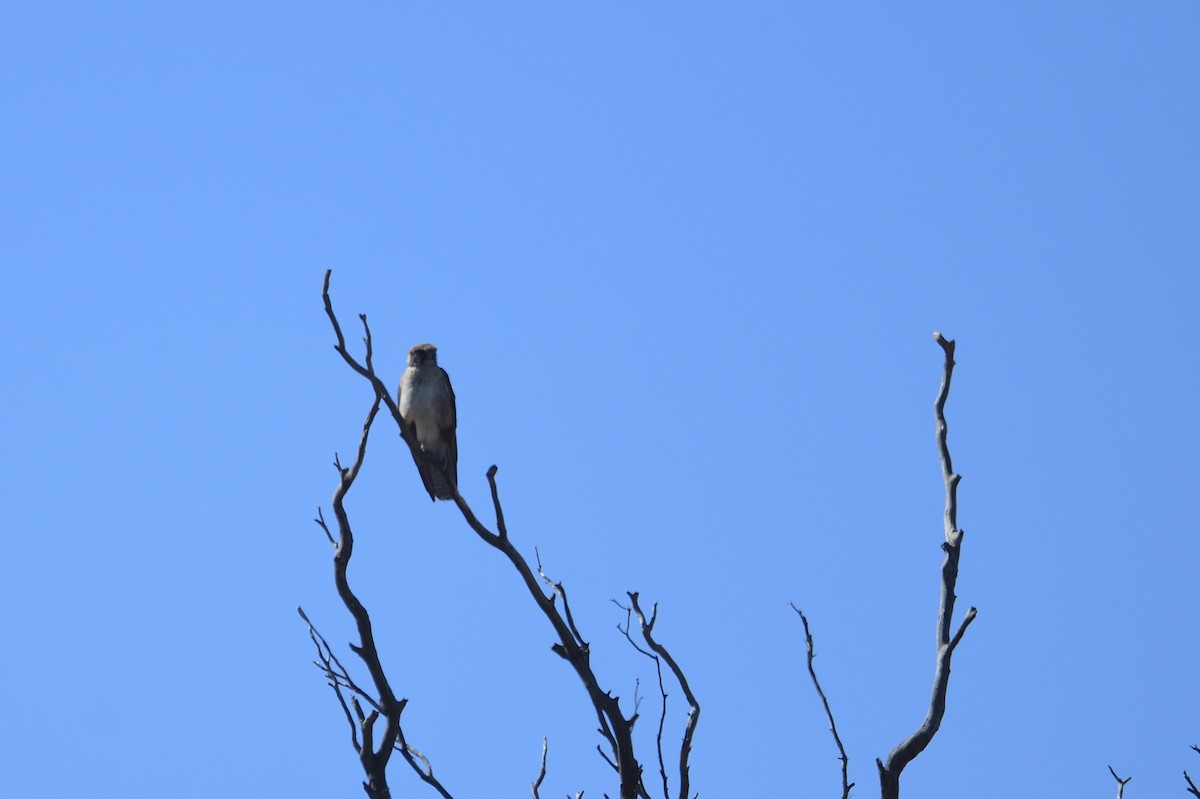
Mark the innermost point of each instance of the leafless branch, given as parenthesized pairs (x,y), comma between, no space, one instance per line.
(383,703)
(411,756)
(320,520)
(1192,789)
(367,371)
(662,716)
(491,478)
(337,674)
(561,592)
(902,755)
(542,772)
(1121,783)
(326,661)
(606,758)
(693,717)
(571,646)
(374,761)
(808,641)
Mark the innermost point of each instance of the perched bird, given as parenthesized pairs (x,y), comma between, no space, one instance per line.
(427,409)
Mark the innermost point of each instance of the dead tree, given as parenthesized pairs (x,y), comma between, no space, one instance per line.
(914,744)
(615,727)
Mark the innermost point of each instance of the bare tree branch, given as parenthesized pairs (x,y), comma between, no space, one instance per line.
(662,716)
(374,759)
(808,641)
(693,717)
(541,773)
(902,755)
(337,678)
(571,646)
(1192,789)
(411,756)
(1121,783)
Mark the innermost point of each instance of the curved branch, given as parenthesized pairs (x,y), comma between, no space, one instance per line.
(571,646)
(374,759)
(808,642)
(693,717)
(662,690)
(419,456)
(537,784)
(902,755)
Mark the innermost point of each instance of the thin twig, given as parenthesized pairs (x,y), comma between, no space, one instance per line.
(561,591)
(320,520)
(1192,789)
(808,642)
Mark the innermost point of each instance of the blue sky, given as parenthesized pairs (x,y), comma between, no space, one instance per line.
(682,263)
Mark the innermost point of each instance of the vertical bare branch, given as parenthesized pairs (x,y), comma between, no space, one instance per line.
(902,755)
(537,784)
(662,690)
(808,642)
(374,759)
(1121,783)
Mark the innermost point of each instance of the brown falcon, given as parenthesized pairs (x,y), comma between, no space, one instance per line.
(427,408)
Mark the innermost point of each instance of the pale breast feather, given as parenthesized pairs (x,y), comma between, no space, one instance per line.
(424,403)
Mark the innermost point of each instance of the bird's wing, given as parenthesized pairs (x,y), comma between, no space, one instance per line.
(441,478)
(448,427)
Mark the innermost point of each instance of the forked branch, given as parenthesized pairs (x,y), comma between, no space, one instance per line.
(571,646)
(902,755)
(659,654)
(374,759)
(383,703)
(367,371)
(1121,783)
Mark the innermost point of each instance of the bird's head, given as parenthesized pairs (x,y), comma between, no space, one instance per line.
(422,354)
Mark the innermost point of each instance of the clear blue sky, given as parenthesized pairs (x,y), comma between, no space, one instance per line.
(682,262)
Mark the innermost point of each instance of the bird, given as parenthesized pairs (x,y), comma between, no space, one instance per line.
(427,410)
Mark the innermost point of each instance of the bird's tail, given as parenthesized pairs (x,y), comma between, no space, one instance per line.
(435,480)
